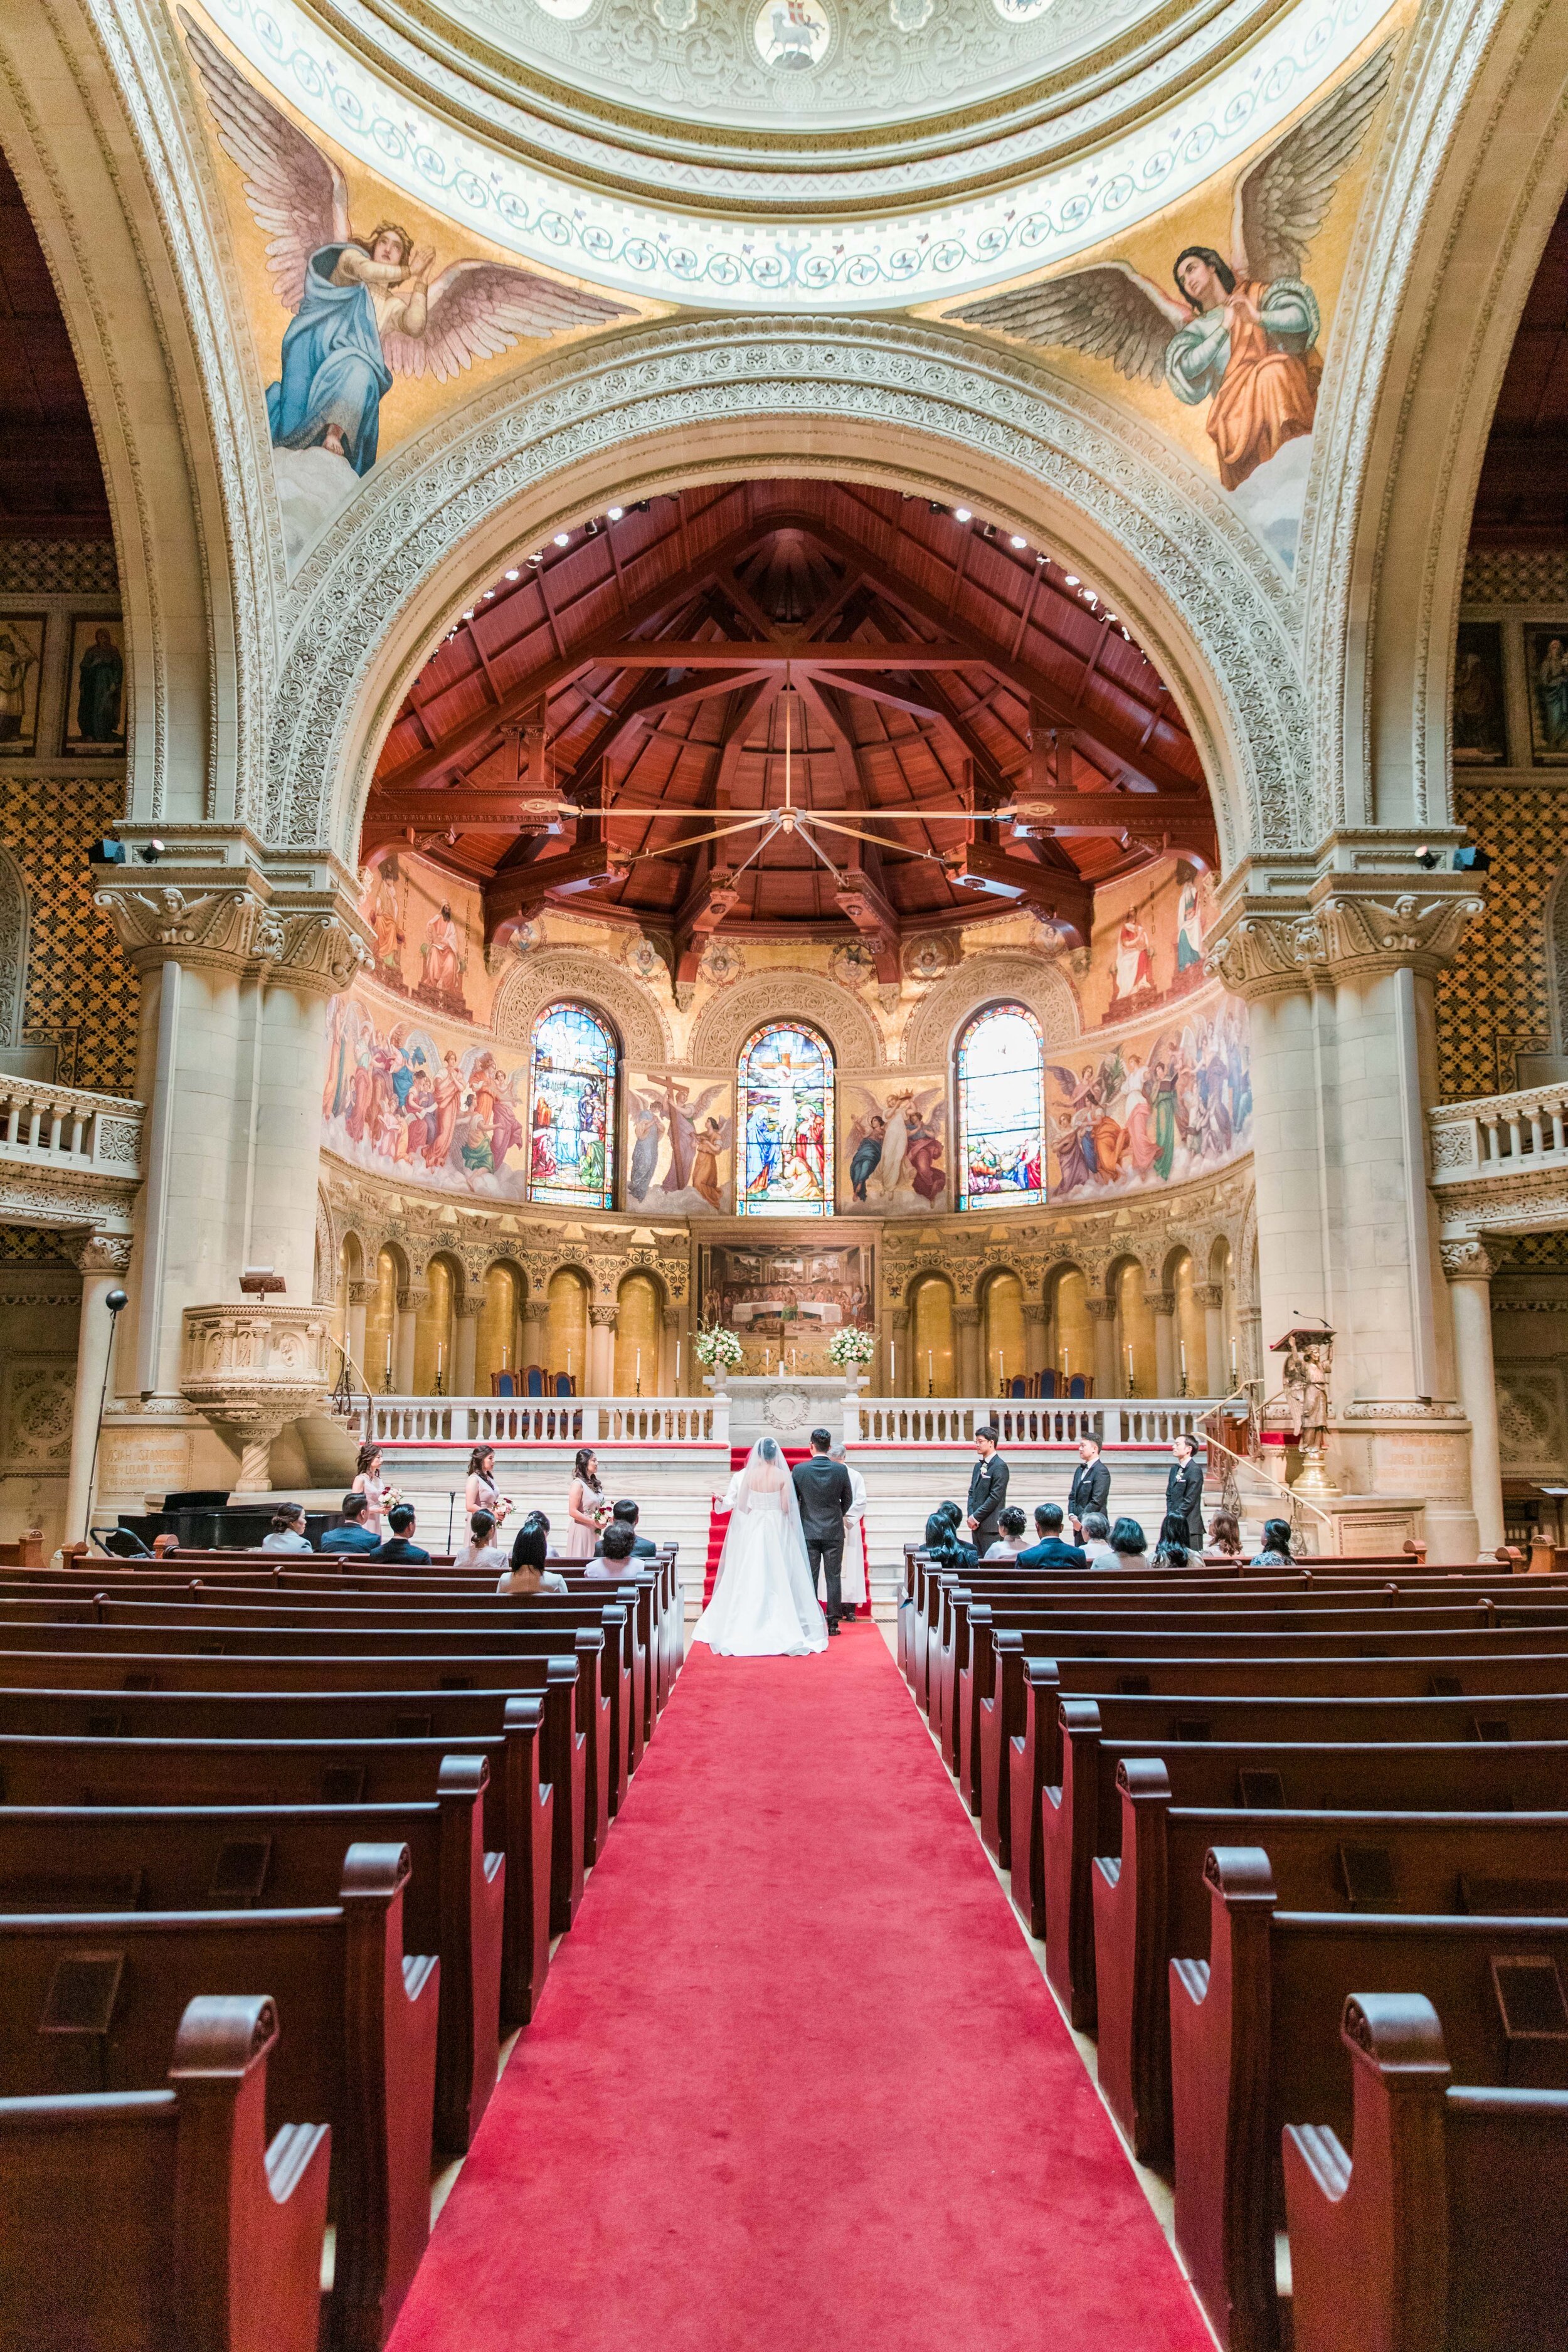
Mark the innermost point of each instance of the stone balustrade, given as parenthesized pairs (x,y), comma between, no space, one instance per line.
(678,1422)
(1500,1136)
(1024,1421)
(68,1157)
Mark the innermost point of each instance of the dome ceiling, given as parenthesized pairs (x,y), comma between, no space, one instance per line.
(788,704)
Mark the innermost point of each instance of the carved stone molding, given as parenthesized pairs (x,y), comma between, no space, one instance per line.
(723,1026)
(919,390)
(1209,1293)
(1344,935)
(539,978)
(1160,1302)
(235,928)
(1035,1311)
(411,1298)
(1470,1260)
(1103,1310)
(966,1319)
(100,1253)
(363,1293)
(602,1319)
(1029,980)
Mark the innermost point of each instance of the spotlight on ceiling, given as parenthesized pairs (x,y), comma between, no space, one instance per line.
(590,529)
(562,539)
(1071,579)
(1018,540)
(490,596)
(1426,859)
(151,852)
(1471,860)
(989,531)
(469,613)
(536,561)
(615,513)
(514,575)
(963,514)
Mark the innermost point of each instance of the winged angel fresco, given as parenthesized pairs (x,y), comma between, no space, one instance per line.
(364,308)
(1243,334)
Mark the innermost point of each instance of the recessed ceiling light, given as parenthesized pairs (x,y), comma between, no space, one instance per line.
(536,561)
(615,513)
(514,575)
(963,514)
(469,613)
(1019,541)
(1072,579)
(490,596)
(562,539)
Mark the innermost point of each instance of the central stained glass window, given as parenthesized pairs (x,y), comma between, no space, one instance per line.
(787,1124)
(1001,1110)
(571,1109)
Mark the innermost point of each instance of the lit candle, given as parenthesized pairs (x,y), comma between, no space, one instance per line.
(1183,1356)
(1233,1363)
(677,1363)
(568,1363)
(893,1366)
(389,1355)
(640,1367)
(1130,1359)
(440,1358)
(930,1374)
(504,1365)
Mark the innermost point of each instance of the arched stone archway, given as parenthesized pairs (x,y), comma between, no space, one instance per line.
(893,403)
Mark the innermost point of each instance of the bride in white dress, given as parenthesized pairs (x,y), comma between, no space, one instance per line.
(764,1604)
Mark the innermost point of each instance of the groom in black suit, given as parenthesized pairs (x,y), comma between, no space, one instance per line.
(823,1490)
(987,1491)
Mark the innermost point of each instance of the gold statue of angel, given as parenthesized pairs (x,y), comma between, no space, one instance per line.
(1243,334)
(364,308)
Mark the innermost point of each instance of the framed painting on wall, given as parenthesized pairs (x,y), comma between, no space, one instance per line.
(21,665)
(1481,724)
(95,689)
(1546,670)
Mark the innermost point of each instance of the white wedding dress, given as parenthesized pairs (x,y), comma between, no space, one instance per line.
(763,1604)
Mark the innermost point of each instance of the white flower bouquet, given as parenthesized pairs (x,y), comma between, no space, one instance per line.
(852,1345)
(719,1349)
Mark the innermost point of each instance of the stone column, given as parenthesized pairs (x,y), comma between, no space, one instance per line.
(1210,1297)
(361,1297)
(670,1331)
(966,1325)
(1102,1315)
(103,1259)
(1167,1379)
(410,1300)
(1469,1267)
(1033,1338)
(256,1432)
(601,1350)
(466,1313)
(1337,966)
(535,1328)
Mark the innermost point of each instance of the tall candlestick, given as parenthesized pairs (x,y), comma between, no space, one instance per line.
(504,1354)
(893,1367)
(440,1356)
(1233,1363)
(677,1363)
(568,1363)
(1184,1357)
(389,1356)
(639,1371)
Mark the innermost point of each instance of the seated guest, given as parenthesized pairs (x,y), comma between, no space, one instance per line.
(1048,1550)
(1170,1551)
(527,1572)
(397,1547)
(287,1529)
(617,1545)
(1009,1542)
(1275,1552)
(627,1515)
(482,1553)
(948,1548)
(1129,1543)
(351,1533)
(1224,1535)
(1096,1540)
(941,1524)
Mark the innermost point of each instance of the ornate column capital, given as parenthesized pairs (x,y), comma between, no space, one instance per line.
(671,1317)
(411,1299)
(1468,1259)
(100,1253)
(966,1319)
(363,1293)
(602,1317)
(1161,1302)
(1209,1293)
(209,900)
(1103,1311)
(1033,1310)
(470,1306)
(898,1320)
(1368,908)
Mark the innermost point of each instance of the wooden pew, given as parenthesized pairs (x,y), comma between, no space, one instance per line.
(395,1739)
(1108,1941)
(99,1858)
(92,2003)
(189,1658)
(1438,2218)
(1254,2041)
(150,2219)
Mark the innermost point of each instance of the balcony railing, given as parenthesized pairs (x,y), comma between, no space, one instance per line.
(64,1128)
(550,1420)
(1500,1135)
(1044,1421)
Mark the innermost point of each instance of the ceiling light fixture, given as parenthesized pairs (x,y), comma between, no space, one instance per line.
(536,561)
(562,539)
(1071,578)
(590,529)
(936,506)
(514,575)
(488,597)
(1018,540)
(469,613)
(963,514)
(615,513)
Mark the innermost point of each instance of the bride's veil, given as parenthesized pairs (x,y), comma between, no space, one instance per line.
(764,1472)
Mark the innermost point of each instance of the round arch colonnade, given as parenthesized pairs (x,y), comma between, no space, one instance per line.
(1320,704)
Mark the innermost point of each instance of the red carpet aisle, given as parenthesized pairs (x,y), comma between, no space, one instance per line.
(796,2083)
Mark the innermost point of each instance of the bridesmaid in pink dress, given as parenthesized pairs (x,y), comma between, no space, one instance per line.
(584,1500)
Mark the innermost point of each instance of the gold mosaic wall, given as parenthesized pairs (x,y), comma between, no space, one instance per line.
(1492,1000)
(82,996)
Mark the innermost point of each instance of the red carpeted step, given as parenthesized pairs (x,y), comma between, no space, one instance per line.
(794,1877)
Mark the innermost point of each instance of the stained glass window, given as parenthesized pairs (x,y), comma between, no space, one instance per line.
(1001,1109)
(571,1109)
(787,1124)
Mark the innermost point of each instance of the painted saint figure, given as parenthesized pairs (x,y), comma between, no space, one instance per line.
(100,674)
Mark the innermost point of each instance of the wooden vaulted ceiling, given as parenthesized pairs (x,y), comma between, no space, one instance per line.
(675,670)
(51,483)
(1522,500)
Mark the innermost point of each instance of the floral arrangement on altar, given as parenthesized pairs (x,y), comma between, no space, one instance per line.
(719,1349)
(851,1344)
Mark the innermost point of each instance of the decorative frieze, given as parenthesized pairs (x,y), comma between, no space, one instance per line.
(1344,933)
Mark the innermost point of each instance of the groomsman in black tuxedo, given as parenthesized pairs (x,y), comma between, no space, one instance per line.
(1091,1486)
(987,1491)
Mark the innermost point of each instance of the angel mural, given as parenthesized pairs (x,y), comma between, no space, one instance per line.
(396,1102)
(1128,1121)
(364,308)
(1241,333)
(662,1112)
(895,1148)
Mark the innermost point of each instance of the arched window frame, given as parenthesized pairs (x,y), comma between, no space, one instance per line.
(745,1205)
(576,1196)
(967,1200)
